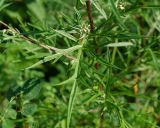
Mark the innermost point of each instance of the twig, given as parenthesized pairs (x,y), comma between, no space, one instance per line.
(33,41)
(89,11)
(92,26)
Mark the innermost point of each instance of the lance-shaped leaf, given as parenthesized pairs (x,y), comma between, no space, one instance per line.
(117,14)
(100,9)
(46,59)
(119,44)
(63,33)
(71,79)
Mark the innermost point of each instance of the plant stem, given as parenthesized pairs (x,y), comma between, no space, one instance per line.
(74,89)
(92,27)
(89,11)
(34,41)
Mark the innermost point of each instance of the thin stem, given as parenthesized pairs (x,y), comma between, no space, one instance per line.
(92,27)
(34,41)
(89,11)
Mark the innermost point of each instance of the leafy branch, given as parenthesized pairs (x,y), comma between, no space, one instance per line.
(40,44)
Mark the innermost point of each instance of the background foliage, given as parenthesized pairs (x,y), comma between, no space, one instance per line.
(48,58)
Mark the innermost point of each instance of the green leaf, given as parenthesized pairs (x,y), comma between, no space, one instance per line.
(59,52)
(71,49)
(71,79)
(100,9)
(104,62)
(90,98)
(66,34)
(37,8)
(74,89)
(46,59)
(11,113)
(3,5)
(38,55)
(28,109)
(36,64)
(117,14)
(7,123)
(33,90)
(71,102)
(30,89)
(154,58)
(119,44)
(83,2)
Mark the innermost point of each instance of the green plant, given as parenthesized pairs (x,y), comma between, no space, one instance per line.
(79,63)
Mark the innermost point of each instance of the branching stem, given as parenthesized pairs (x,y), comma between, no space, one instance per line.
(34,41)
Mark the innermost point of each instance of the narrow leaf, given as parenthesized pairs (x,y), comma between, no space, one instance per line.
(117,14)
(71,102)
(71,79)
(98,7)
(119,44)
(69,36)
(46,59)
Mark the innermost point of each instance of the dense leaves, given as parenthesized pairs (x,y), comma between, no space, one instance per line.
(57,71)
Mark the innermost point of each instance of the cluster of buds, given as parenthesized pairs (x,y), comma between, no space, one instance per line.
(84,30)
(121,5)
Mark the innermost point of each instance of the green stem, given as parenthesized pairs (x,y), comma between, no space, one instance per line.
(74,90)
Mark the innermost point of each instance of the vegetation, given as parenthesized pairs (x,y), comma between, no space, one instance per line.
(79,63)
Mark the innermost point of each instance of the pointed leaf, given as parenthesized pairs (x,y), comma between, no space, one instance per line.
(71,79)
(100,9)
(46,59)
(69,36)
(117,14)
(119,44)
